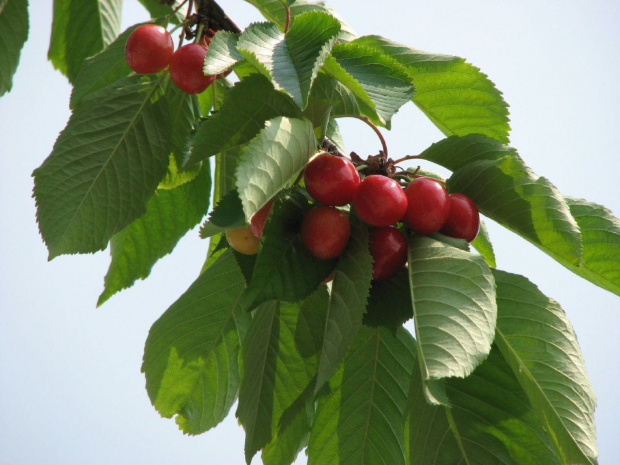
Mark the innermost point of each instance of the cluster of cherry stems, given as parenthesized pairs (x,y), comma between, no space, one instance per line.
(424,205)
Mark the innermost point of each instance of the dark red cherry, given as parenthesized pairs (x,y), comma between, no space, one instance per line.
(331,180)
(464,219)
(428,205)
(380,201)
(388,249)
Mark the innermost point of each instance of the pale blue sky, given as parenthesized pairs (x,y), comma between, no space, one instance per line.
(71,390)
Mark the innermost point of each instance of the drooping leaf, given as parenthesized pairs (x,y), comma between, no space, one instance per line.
(454,307)
(292,60)
(284,448)
(456,96)
(349,297)
(270,162)
(490,421)
(375,78)
(482,243)
(538,342)
(600,237)
(361,421)
(104,167)
(191,356)
(246,107)
(280,362)
(70,45)
(343,101)
(13,35)
(169,215)
(275,11)
(285,270)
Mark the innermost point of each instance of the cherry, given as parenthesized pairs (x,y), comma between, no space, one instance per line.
(149,49)
(331,180)
(325,232)
(186,69)
(242,240)
(380,201)
(464,219)
(428,205)
(257,223)
(388,249)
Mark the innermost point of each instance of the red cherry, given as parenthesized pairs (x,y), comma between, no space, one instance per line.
(388,249)
(380,201)
(257,223)
(149,49)
(464,219)
(428,205)
(325,232)
(331,180)
(186,69)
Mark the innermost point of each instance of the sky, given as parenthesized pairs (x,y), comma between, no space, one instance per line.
(71,390)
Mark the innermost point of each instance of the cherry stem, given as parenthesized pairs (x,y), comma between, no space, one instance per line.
(407,157)
(366,120)
(288,19)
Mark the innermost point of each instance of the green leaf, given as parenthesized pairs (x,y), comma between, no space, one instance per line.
(169,215)
(222,53)
(507,191)
(343,101)
(191,356)
(102,69)
(453,295)
(482,243)
(538,342)
(285,270)
(490,421)
(80,30)
(228,213)
(284,448)
(292,60)
(104,167)
(13,34)
(389,303)
(271,161)
(385,81)
(246,107)
(275,11)
(362,419)
(600,236)
(456,96)
(279,364)
(350,290)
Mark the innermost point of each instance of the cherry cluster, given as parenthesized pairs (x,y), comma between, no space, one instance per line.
(423,206)
(150,49)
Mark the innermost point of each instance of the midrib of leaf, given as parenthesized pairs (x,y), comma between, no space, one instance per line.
(505,345)
(456,432)
(131,124)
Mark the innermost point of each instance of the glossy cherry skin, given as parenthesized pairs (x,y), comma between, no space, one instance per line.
(325,232)
(388,249)
(331,180)
(186,69)
(464,219)
(149,49)
(257,223)
(242,240)
(380,201)
(428,205)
